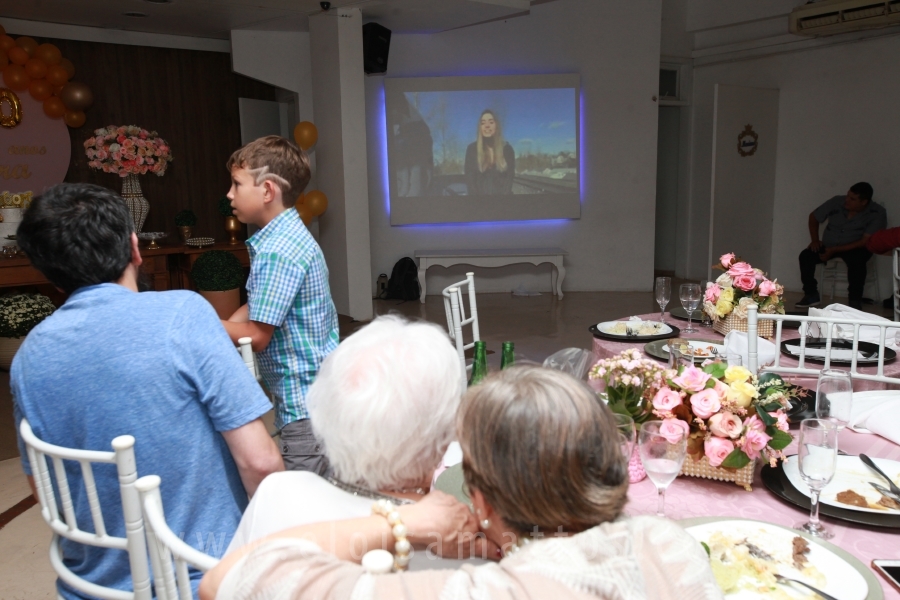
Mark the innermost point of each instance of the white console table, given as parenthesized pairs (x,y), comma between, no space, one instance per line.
(494,258)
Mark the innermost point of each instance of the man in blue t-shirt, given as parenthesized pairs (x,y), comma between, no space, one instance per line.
(157,366)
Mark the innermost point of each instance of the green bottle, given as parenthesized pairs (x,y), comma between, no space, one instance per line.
(479,365)
(507,358)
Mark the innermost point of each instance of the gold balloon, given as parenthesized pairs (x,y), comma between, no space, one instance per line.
(15,116)
(76,96)
(74,118)
(305,134)
(316,201)
(305,214)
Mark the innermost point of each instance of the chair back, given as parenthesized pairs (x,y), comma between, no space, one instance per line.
(169,555)
(829,323)
(895,275)
(246,351)
(455,309)
(39,455)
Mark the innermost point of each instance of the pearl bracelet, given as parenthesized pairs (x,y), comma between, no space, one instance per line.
(402,547)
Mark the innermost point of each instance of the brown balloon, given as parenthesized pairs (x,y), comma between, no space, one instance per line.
(76,96)
(305,214)
(54,107)
(56,75)
(74,118)
(317,202)
(305,134)
(36,68)
(6,43)
(17,55)
(28,44)
(48,53)
(68,66)
(40,90)
(4,59)
(15,77)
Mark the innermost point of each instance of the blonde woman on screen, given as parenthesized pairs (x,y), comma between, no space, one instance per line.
(490,161)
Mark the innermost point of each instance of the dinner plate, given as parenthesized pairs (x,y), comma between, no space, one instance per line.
(659,349)
(867,352)
(777,482)
(600,330)
(845,576)
(702,350)
(851,474)
(678,312)
(199,242)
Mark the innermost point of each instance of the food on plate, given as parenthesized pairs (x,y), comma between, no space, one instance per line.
(750,562)
(708,350)
(642,327)
(889,503)
(852,498)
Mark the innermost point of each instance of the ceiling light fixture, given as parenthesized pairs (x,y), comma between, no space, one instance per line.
(135,15)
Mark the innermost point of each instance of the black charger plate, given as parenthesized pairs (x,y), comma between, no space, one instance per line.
(820,343)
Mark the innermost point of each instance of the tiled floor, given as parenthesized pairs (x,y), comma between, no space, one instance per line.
(539,325)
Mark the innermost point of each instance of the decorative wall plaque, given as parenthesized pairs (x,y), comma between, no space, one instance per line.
(747,141)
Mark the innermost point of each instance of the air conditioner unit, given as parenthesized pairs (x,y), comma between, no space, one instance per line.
(829,17)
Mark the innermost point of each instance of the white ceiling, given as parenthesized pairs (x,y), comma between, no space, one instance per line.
(216,18)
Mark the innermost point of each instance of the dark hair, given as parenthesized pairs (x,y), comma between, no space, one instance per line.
(273,157)
(863,190)
(77,234)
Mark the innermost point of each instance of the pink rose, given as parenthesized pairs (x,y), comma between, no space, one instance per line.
(754,442)
(726,424)
(705,404)
(712,293)
(782,418)
(722,389)
(741,268)
(666,399)
(717,450)
(767,288)
(691,379)
(754,424)
(674,430)
(727,259)
(745,282)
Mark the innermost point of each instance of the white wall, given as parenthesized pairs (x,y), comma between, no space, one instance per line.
(837,125)
(615,47)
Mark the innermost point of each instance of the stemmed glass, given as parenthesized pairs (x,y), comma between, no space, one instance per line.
(817,460)
(834,397)
(662,453)
(663,294)
(690,300)
(625,427)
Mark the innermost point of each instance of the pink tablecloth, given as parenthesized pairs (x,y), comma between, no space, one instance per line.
(608,348)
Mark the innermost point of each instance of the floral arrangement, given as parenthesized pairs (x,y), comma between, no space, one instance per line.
(127,150)
(20,313)
(728,415)
(740,286)
(630,382)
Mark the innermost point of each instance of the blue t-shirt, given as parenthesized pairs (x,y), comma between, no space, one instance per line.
(158,366)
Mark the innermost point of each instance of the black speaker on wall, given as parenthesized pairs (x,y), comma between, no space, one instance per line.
(376,44)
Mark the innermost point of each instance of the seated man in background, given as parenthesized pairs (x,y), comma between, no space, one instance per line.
(852,219)
(157,366)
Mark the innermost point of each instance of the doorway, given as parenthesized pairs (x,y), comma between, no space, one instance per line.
(667,166)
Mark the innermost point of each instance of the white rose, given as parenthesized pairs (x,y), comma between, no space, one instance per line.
(724,280)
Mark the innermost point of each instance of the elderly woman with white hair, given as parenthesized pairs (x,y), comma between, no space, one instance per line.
(384,406)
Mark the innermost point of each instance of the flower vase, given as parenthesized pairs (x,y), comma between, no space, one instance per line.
(701,468)
(134,199)
(636,470)
(733,322)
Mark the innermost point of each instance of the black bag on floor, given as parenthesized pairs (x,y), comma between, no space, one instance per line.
(404,281)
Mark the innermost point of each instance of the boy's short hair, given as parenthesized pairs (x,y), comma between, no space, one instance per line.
(273,158)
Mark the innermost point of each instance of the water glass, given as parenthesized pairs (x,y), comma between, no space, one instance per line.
(625,427)
(663,295)
(817,461)
(680,355)
(834,397)
(734,359)
(690,299)
(662,449)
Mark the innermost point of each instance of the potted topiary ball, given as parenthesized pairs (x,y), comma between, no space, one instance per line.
(19,314)
(184,221)
(232,225)
(218,276)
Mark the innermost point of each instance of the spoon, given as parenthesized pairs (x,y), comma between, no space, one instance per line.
(786,580)
(868,462)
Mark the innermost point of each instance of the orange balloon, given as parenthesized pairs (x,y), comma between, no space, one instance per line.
(68,66)
(4,59)
(54,107)
(317,202)
(300,199)
(48,53)
(40,90)
(15,77)
(305,214)
(57,89)
(28,44)
(6,43)
(17,55)
(56,75)
(36,68)
(74,118)
(305,134)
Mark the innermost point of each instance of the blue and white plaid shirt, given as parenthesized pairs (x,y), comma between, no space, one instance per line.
(288,288)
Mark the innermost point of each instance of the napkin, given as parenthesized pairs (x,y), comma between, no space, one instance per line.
(836,353)
(866,334)
(736,342)
(879,412)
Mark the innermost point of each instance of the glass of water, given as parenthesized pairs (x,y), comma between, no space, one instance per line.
(817,461)
(662,452)
(663,295)
(690,299)
(834,397)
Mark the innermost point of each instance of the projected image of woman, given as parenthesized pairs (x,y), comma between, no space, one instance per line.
(490,161)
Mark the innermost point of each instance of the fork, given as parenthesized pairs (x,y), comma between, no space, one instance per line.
(885,492)
(787,580)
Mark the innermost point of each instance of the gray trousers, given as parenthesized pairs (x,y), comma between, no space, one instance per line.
(301,450)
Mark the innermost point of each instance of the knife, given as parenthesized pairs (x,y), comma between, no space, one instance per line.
(868,462)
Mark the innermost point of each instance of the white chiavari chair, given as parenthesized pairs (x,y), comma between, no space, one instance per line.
(246,350)
(455,309)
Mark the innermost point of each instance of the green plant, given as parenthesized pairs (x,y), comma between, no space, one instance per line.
(217,271)
(186,218)
(20,313)
(225,207)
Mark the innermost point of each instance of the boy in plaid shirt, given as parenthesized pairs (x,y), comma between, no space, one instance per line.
(289,313)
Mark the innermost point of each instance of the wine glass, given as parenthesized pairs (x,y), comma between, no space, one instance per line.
(625,427)
(834,397)
(690,299)
(662,453)
(817,461)
(663,294)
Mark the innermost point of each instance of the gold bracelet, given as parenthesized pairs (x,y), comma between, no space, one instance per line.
(402,547)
